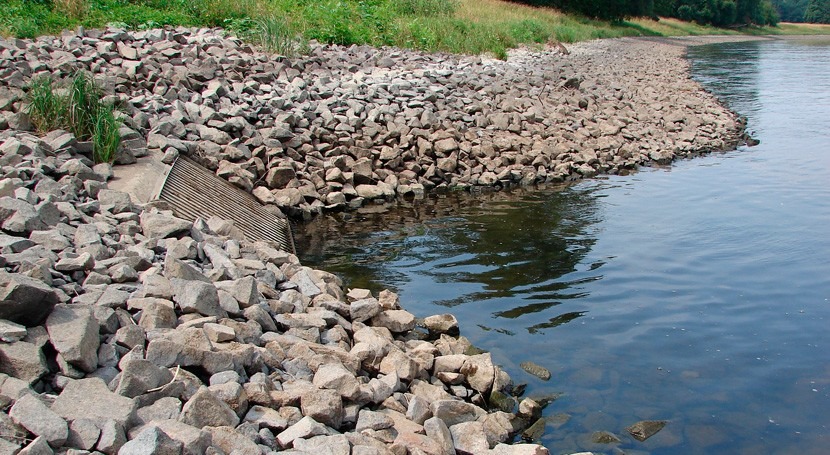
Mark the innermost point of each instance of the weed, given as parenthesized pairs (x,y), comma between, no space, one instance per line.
(427,8)
(106,135)
(80,110)
(277,35)
(46,109)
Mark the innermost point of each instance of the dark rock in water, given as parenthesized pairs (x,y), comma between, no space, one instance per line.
(604,437)
(535,431)
(536,370)
(502,402)
(518,390)
(645,429)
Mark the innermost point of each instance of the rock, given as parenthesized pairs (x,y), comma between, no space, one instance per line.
(112,437)
(22,360)
(395,320)
(645,429)
(230,440)
(196,297)
(324,406)
(73,331)
(364,309)
(266,418)
(442,323)
(524,449)
(480,372)
(536,370)
(40,446)
(11,332)
(335,376)
(305,428)
(25,300)
(453,412)
(82,262)
(139,376)
(115,201)
(164,409)
(469,437)
(194,441)
(36,417)
(535,431)
(604,437)
(206,409)
(160,225)
(91,399)
(83,434)
(151,441)
(372,420)
(438,431)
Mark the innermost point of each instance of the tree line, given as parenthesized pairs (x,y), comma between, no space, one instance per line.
(720,13)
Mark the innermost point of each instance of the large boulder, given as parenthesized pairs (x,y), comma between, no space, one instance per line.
(25,300)
(73,331)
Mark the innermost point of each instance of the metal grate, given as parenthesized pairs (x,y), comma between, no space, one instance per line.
(193,191)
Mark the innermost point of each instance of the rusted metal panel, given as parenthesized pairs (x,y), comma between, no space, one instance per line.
(193,192)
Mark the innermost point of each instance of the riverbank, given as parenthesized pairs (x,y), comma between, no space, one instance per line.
(345,126)
(187,337)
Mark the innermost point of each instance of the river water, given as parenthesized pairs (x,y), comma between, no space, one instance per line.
(697,293)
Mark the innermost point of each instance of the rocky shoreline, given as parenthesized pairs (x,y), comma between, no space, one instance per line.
(124,329)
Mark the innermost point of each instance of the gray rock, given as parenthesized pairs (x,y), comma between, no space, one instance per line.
(91,399)
(176,268)
(73,331)
(266,418)
(395,320)
(24,361)
(25,300)
(305,428)
(112,437)
(115,201)
(469,437)
(83,434)
(324,445)
(244,290)
(151,441)
(74,263)
(372,420)
(196,297)
(364,309)
(164,409)
(206,409)
(442,323)
(139,376)
(158,314)
(453,412)
(480,372)
(324,406)
(230,440)
(36,417)
(11,332)
(161,225)
(438,431)
(194,441)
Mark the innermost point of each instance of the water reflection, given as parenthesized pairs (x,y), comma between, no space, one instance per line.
(731,70)
(502,247)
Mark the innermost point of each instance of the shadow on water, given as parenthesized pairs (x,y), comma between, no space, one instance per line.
(507,246)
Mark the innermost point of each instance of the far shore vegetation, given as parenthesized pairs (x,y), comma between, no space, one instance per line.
(282,26)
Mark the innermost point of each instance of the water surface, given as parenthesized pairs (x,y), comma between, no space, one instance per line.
(697,294)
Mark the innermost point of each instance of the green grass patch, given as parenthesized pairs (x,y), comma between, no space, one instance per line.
(459,26)
(78,108)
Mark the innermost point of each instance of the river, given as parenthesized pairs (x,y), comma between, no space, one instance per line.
(697,293)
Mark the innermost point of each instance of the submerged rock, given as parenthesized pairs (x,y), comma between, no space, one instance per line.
(536,370)
(645,429)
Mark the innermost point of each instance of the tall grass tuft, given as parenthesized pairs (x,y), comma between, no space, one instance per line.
(83,104)
(80,110)
(46,108)
(106,135)
(279,36)
(427,8)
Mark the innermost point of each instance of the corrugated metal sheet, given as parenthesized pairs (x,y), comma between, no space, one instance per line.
(192,191)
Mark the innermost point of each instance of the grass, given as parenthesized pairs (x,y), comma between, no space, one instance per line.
(458,26)
(79,109)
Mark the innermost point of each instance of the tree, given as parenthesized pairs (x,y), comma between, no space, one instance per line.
(818,12)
